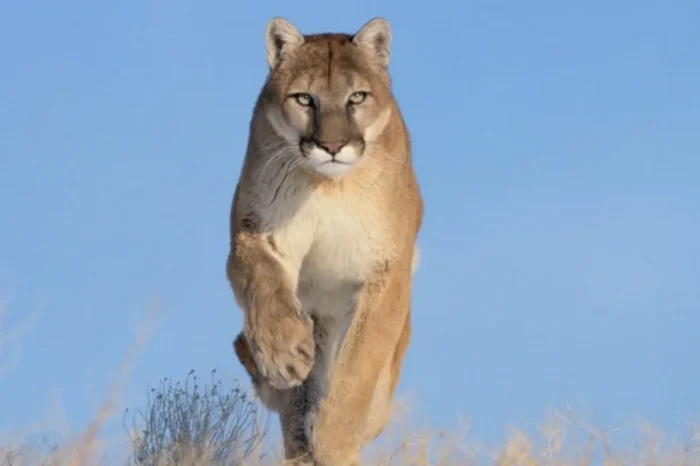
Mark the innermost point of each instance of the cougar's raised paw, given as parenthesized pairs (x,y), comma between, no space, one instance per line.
(285,357)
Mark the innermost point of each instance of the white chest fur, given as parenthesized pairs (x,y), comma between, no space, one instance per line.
(330,242)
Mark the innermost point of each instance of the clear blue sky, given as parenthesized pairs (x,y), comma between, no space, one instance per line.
(558,147)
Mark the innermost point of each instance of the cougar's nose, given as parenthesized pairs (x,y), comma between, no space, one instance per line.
(332,147)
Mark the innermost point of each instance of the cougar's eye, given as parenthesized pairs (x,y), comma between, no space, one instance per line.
(356,98)
(304,100)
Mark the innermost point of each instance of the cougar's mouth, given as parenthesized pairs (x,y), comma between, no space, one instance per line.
(330,159)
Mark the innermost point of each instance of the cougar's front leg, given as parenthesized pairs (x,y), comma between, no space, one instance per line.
(270,397)
(382,307)
(291,404)
(278,333)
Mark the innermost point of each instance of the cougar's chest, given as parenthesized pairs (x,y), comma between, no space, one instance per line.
(339,241)
(345,250)
(347,239)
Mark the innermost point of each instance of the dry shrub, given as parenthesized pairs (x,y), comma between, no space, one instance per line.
(184,423)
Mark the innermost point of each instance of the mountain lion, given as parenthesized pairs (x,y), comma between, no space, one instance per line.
(324,221)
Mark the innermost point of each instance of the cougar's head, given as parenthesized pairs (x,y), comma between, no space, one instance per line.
(328,95)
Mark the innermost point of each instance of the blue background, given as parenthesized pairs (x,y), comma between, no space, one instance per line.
(558,148)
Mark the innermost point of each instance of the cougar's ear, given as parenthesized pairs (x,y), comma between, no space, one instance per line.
(375,38)
(281,37)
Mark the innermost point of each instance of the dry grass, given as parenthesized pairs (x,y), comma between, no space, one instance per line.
(190,428)
(440,449)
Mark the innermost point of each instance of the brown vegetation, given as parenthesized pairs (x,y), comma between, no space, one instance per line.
(188,424)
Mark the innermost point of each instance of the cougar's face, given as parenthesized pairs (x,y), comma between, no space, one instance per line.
(329,100)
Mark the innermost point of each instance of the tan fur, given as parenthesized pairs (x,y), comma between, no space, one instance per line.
(323,230)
